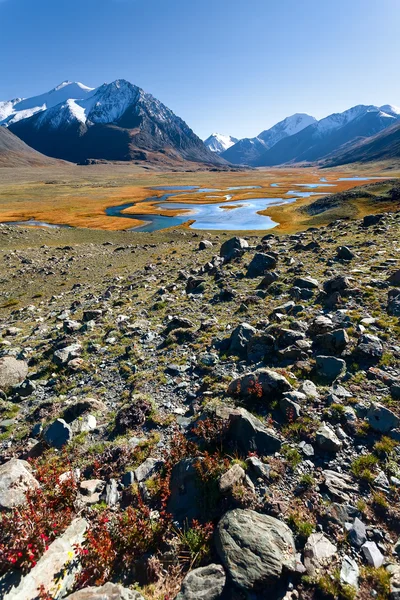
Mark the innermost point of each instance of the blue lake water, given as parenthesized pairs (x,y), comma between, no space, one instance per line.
(209,216)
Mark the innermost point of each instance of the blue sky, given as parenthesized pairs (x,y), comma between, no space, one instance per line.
(232,66)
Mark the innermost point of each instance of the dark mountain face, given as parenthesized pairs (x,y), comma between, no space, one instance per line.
(320,140)
(118,122)
(383,146)
(15,153)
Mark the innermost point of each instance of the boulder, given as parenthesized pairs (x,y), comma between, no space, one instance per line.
(369,347)
(260,264)
(254,548)
(267,280)
(333,341)
(239,339)
(370,220)
(318,551)
(148,468)
(15,480)
(394,278)
(307,283)
(63,356)
(339,485)
(204,244)
(357,533)
(234,476)
(58,434)
(382,419)
(344,253)
(260,383)
(330,367)
(327,440)
(204,583)
(108,591)
(51,570)
(259,346)
(249,434)
(183,502)
(233,248)
(12,372)
(372,554)
(349,572)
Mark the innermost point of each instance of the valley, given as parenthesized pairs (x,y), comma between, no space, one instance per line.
(123,197)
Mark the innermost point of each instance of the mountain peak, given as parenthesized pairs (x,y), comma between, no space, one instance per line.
(218,142)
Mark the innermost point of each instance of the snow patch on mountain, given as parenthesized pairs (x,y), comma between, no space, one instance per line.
(23,108)
(289,126)
(217,142)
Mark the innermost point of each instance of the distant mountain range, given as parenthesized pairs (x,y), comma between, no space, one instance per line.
(302,139)
(117,121)
(219,143)
(249,150)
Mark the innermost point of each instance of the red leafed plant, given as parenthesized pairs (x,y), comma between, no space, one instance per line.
(116,541)
(27,530)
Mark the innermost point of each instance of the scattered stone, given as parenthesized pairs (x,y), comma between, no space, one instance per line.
(148,468)
(51,570)
(372,554)
(260,383)
(327,440)
(15,480)
(233,248)
(260,264)
(344,253)
(58,434)
(108,591)
(204,244)
(349,572)
(317,552)
(204,583)
(358,533)
(330,367)
(382,419)
(254,548)
(12,372)
(234,476)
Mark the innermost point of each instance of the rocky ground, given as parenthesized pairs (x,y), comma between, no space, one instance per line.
(200,417)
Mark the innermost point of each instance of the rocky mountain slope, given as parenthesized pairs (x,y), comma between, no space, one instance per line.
(219,143)
(249,150)
(117,121)
(328,135)
(383,146)
(185,417)
(14,152)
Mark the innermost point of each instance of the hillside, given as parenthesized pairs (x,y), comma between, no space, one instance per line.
(15,153)
(201,413)
(383,146)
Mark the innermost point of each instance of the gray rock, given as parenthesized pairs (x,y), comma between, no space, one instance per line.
(339,485)
(108,591)
(372,554)
(233,248)
(259,468)
(344,253)
(205,583)
(249,434)
(204,244)
(260,346)
(394,571)
(254,548)
(317,552)
(291,410)
(183,503)
(239,339)
(309,389)
(307,283)
(267,280)
(333,341)
(260,383)
(234,476)
(148,468)
(260,264)
(15,480)
(349,572)
(327,440)
(63,356)
(330,367)
(111,494)
(358,533)
(394,278)
(369,347)
(51,570)
(91,490)
(12,372)
(58,434)
(382,419)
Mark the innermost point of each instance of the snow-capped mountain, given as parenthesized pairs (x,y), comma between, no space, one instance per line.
(219,143)
(116,121)
(249,150)
(324,137)
(12,111)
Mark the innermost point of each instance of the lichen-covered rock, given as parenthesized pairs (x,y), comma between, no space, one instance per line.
(254,548)
(108,591)
(12,372)
(15,480)
(204,583)
(260,383)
